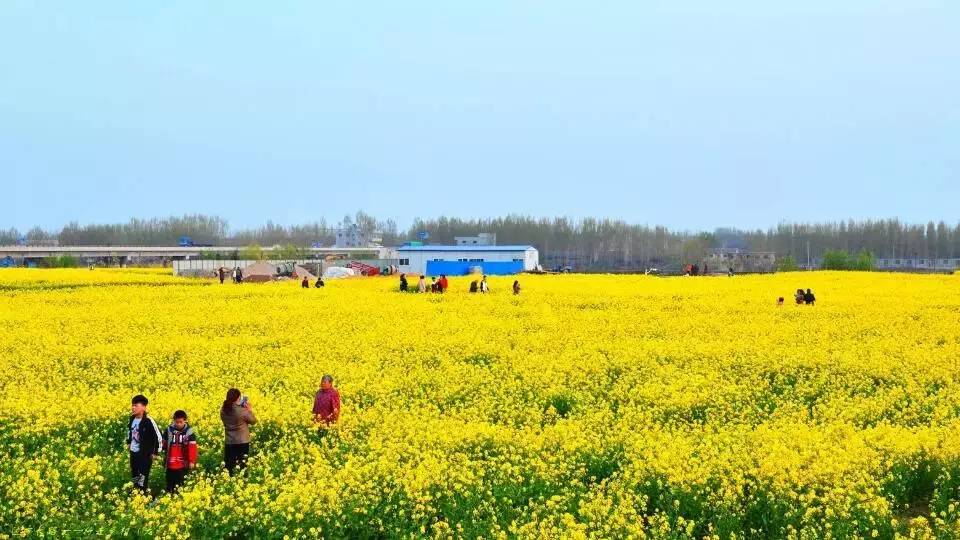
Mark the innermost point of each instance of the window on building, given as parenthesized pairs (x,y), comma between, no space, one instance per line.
(404,262)
(518,260)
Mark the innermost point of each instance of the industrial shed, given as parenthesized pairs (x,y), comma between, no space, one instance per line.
(460,260)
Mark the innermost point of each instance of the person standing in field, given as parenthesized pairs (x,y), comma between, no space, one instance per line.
(809,298)
(799,297)
(473,286)
(305,282)
(443,283)
(403,283)
(326,403)
(422,284)
(319,284)
(516,286)
(484,288)
(221,273)
(180,444)
(143,441)
(237,417)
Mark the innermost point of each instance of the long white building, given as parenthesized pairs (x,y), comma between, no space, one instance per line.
(461,260)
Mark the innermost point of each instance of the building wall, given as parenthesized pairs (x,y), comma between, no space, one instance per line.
(919,263)
(417,260)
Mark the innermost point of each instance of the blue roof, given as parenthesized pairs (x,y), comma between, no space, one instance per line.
(464,248)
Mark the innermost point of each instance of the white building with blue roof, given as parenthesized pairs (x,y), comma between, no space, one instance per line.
(466,259)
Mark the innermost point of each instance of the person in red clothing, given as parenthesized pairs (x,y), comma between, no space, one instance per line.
(443,283)
(326,404)
(180,444)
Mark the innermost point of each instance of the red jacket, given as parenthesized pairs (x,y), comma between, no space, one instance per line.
(443,283)
(181,448)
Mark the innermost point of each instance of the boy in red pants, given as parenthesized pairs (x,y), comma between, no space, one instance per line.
(180,444)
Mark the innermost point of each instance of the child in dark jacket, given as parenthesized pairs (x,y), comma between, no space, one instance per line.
(143,441)
(180,444)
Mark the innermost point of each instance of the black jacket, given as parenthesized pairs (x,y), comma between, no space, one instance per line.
(149,435)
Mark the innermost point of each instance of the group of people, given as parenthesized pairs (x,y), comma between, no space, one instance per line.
(436,285)
(236,274)
(305,282)
(441,285)
(178,443)
(801,298)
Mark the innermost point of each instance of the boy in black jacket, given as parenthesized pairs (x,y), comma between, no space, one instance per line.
(143,441)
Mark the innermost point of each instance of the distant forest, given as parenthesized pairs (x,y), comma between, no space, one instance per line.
(588,243)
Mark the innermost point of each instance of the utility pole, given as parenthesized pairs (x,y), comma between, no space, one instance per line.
(808,256)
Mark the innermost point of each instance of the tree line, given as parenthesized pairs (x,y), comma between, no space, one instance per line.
(588,243)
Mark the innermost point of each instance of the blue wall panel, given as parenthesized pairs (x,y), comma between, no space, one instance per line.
(456,268)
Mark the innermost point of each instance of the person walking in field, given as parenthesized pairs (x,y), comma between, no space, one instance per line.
(809,298)
(403,283)
(221,273)
(180,445)
(237,417)
(143,441)
(326,403)
(422,284)
(516,287)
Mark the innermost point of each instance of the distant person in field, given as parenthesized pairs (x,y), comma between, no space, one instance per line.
(730,271)
(484,288)
(474,287)
(180,444)
(236,274)
(422,284)
(237,417)
(221,273)
(239,275)
(799,297)
(443,283)
(516,287)
(403,283)
(433,285)
(809,298)
(143,441)
(780,302)
(326,403)
(305,282)
(319,284)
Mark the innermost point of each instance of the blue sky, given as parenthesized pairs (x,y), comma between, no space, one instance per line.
(688,114)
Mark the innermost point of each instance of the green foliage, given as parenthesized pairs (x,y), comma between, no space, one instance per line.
(287,252)
(787,264)
(253,252)
(217,255)
(63,261)
(835,259)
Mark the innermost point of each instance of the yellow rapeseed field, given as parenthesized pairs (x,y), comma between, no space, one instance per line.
(586,407)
